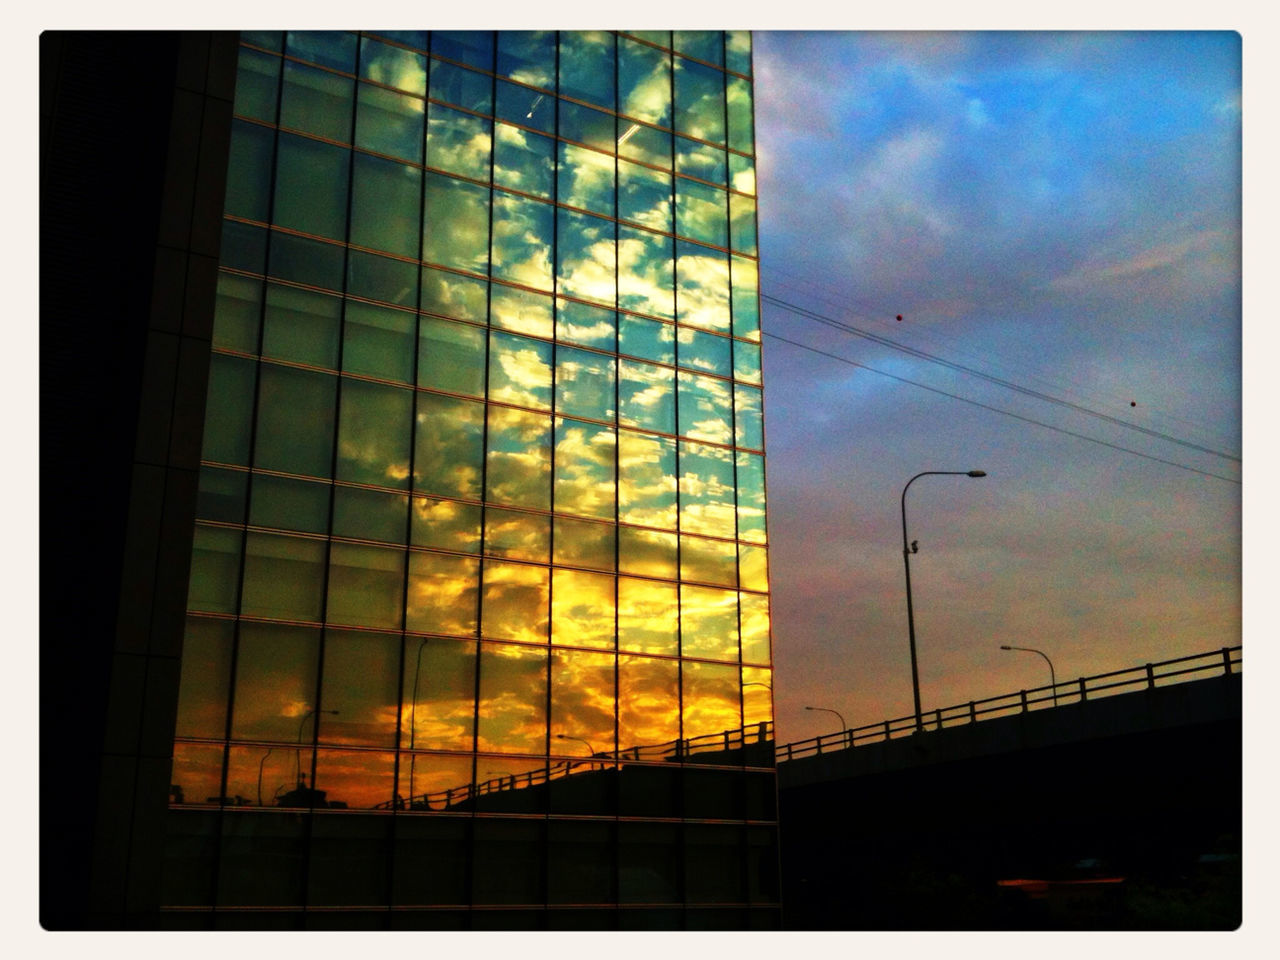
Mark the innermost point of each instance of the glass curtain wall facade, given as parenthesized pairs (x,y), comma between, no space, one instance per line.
(478,617)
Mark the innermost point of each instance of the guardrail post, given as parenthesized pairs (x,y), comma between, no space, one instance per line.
(1151,677)
(887,730)
(1022,694)
(973,713)
(1226,659)
(938,714)
(1084,695)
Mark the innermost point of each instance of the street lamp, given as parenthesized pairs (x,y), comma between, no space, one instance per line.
(590,748)
(413,719)
(1053,679)
(843,726)
(297,753)
(906,559)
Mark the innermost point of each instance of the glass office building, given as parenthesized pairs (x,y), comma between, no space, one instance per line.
(477,631)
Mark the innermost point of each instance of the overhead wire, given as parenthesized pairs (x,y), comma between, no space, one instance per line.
(1007,413)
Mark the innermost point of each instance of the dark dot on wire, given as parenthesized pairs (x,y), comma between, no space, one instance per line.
(1133,403)
(899,317)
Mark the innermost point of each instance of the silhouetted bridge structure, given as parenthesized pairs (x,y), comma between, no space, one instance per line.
(1134,774)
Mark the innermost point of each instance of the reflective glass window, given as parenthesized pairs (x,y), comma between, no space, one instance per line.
(648,616)
(389,122)
(704,351)
(237,313)
(582,609)
(587,125)
(706,408)
(301,325)
(214,586)
(648,701)
(746,305)
(586,324)
(283,577)
(445,524)
(709,561)
(361,670)
(525,107)
(438,699)
(646,267)
(296,419)
(648,339)
(442,593)
(385,204)
(361,780)
(452,295)
(461,87)
(746,361)
(517,535)
(458,142)
(448,446)
(637,141)
(519,458)
(228,410)
(702,213)
(370,514)
(523,160)
(528,56)
(586,258)
(757,697)
(329,48)
(519,370)
(708,623)
(699,101)
(737,50)
(374,432)
(753,567)
(582,699)
(584,383)
(646,396)
(455,225)
(751,525)
(378,341)
(644,82)
(221,494)
(742,174)
(582,543)
(741,128)
(522,234)
(703,292)
(393,66)
(257,85)
(587,66)
(316,101)
(276,684)
(754,617)
(205,683)
(644,195)
(289,504)
(244,247)
(473,47)
(711,699)
(307,261)
(650,553)
(514,601)
(706,489)
(311,186)
(586,179)
(365,586)
(646,480)
(585,469)
(451,356)
(742,223)
(748,426)
(249,171)
(523,311)
(376,277)
(699,160)
(706,45)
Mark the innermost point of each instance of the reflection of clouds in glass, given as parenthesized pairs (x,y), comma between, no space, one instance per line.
(520,371)
(584,481)
(523,160)
(394,67)
(711,699)
(706,490)
(647,482)
(591,273)
(441,596)
(757,696)
(708,622)
(650,553)
(446,524)
(521,310)
(512,711)
(648,701)
(455,232)
(742,174)
(584,383)
(582,702)
(646,75)
(586,179)
(522,231)
(582,609)
(751,523)
(448,446)
(706,407)
(753,572)
(703,286)
(519,458)
(645,271)
(360,779)
(520,536)
(513,605)
(458,142)
(441,716)
(648,615)
(754,621)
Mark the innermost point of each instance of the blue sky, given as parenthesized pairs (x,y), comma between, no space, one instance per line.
(1057,210)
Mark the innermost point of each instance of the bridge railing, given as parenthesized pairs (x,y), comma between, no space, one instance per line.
(1197,666)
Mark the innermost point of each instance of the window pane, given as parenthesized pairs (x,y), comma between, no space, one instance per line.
(452,295)
(584,383)
(228,410)
(648,339)
(295,421)
(393,67)
(644,195)
(283,577)
(528,56)
(649,553)
(257,85)
(448,446)
(710,561)
(439,695)
(370,514)
(705,351)
(712,699)
(329,48)
(366,586)
(528,108)
(706,408)
(585,469)
(215,570)
(237,313)
(316,101)
(249,171)
(750,496)
(205,684)
(586,66)
(519,458)
(644,82)
(703,286)
(586,179)
(582,543)
(455,225)
(451,356)
(374,434)
(747,416)
(582,609)
(702,213)
(755,627)
(742,223)
(522,232)
(648,616)
(378,342)
(473,47)
(442,594)
(445,525)
(706,490)
(513,690)
(521,310)
(514,601)
(311,186)
(519,370)
(386,198)
(458,142)
(582,700)
(699,160)
(301,325)
(523,160)
(746,306)
(586,324)
(645,270)
(516,535)
(737,50)
(741,128)
(648,701)
(289,504)
(586,257)
(699,101)
(461,87)
(276,685)
(646,480)
(361,673)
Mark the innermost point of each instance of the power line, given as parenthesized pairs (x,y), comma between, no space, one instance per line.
(1007,413)
(1008,384)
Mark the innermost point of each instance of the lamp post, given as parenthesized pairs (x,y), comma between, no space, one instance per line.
(1053,679)
(565,736)
(843,726)
(906,559)
(297,753)
(413,719)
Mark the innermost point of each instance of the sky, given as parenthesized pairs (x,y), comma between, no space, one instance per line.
(1060,212)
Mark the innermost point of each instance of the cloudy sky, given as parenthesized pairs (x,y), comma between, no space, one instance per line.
(1056,217)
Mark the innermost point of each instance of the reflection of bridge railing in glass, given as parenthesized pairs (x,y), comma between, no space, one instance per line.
(691,749)
(1200,665)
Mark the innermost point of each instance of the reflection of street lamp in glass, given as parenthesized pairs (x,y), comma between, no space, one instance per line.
(907,551)
(413,719)
(756,683)
(843,726)
(260,763)
(297,754)
(590,749)
(1052,677)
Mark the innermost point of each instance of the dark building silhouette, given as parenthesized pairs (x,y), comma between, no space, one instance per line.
(424,581)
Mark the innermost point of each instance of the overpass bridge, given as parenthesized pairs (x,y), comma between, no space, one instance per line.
(1107,802)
